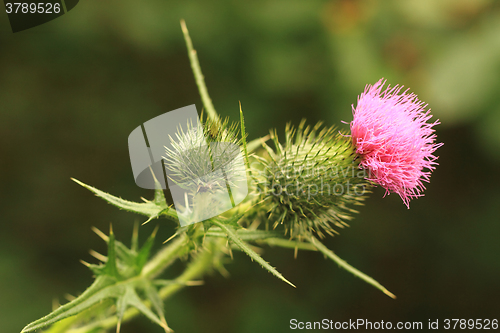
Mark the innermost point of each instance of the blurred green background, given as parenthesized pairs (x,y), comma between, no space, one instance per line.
(73,89)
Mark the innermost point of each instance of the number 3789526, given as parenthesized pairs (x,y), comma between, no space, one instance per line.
(25,8)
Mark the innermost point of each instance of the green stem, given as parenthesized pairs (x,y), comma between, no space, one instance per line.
(202,263)
(290,244)
(329,253)
(198,75)
(165,257)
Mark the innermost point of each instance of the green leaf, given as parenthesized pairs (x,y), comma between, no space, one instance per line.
(154,297)
(135,238)
(233,236)
(121,306)
(156,301)
(327,252)
(110,266)
(126,256)
(152,209)
(144,252)
(129,298)
(97,292)
(207,224)
(233,221)
(244,138)
(159,195)
(117,280)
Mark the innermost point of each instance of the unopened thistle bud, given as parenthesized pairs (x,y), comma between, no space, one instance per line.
(206,174)
(198,150)
(312,181)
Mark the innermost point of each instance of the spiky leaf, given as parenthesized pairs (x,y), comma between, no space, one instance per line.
(152,209)
(117,279)
(101,289)
(231,234)
(342,263)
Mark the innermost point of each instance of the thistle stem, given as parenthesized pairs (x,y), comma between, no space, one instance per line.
(165,257)
(198,75)
(201,264)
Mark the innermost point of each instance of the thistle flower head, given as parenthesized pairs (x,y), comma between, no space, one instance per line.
(396,143)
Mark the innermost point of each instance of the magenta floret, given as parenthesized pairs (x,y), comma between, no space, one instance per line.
(392,136)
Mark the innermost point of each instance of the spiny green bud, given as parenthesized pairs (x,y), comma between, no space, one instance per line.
(312,180)
(205,170)
(198,150)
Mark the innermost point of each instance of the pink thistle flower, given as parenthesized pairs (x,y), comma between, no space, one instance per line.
(395,142)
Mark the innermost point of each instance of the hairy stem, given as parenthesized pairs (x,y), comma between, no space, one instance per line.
(200,265)
(165,257)
(198,75)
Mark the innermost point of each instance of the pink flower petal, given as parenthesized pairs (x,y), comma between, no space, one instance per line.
(391,134)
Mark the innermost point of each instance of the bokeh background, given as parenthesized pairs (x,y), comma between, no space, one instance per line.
(73,89)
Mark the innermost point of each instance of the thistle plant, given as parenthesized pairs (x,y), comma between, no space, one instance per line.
(300,190)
